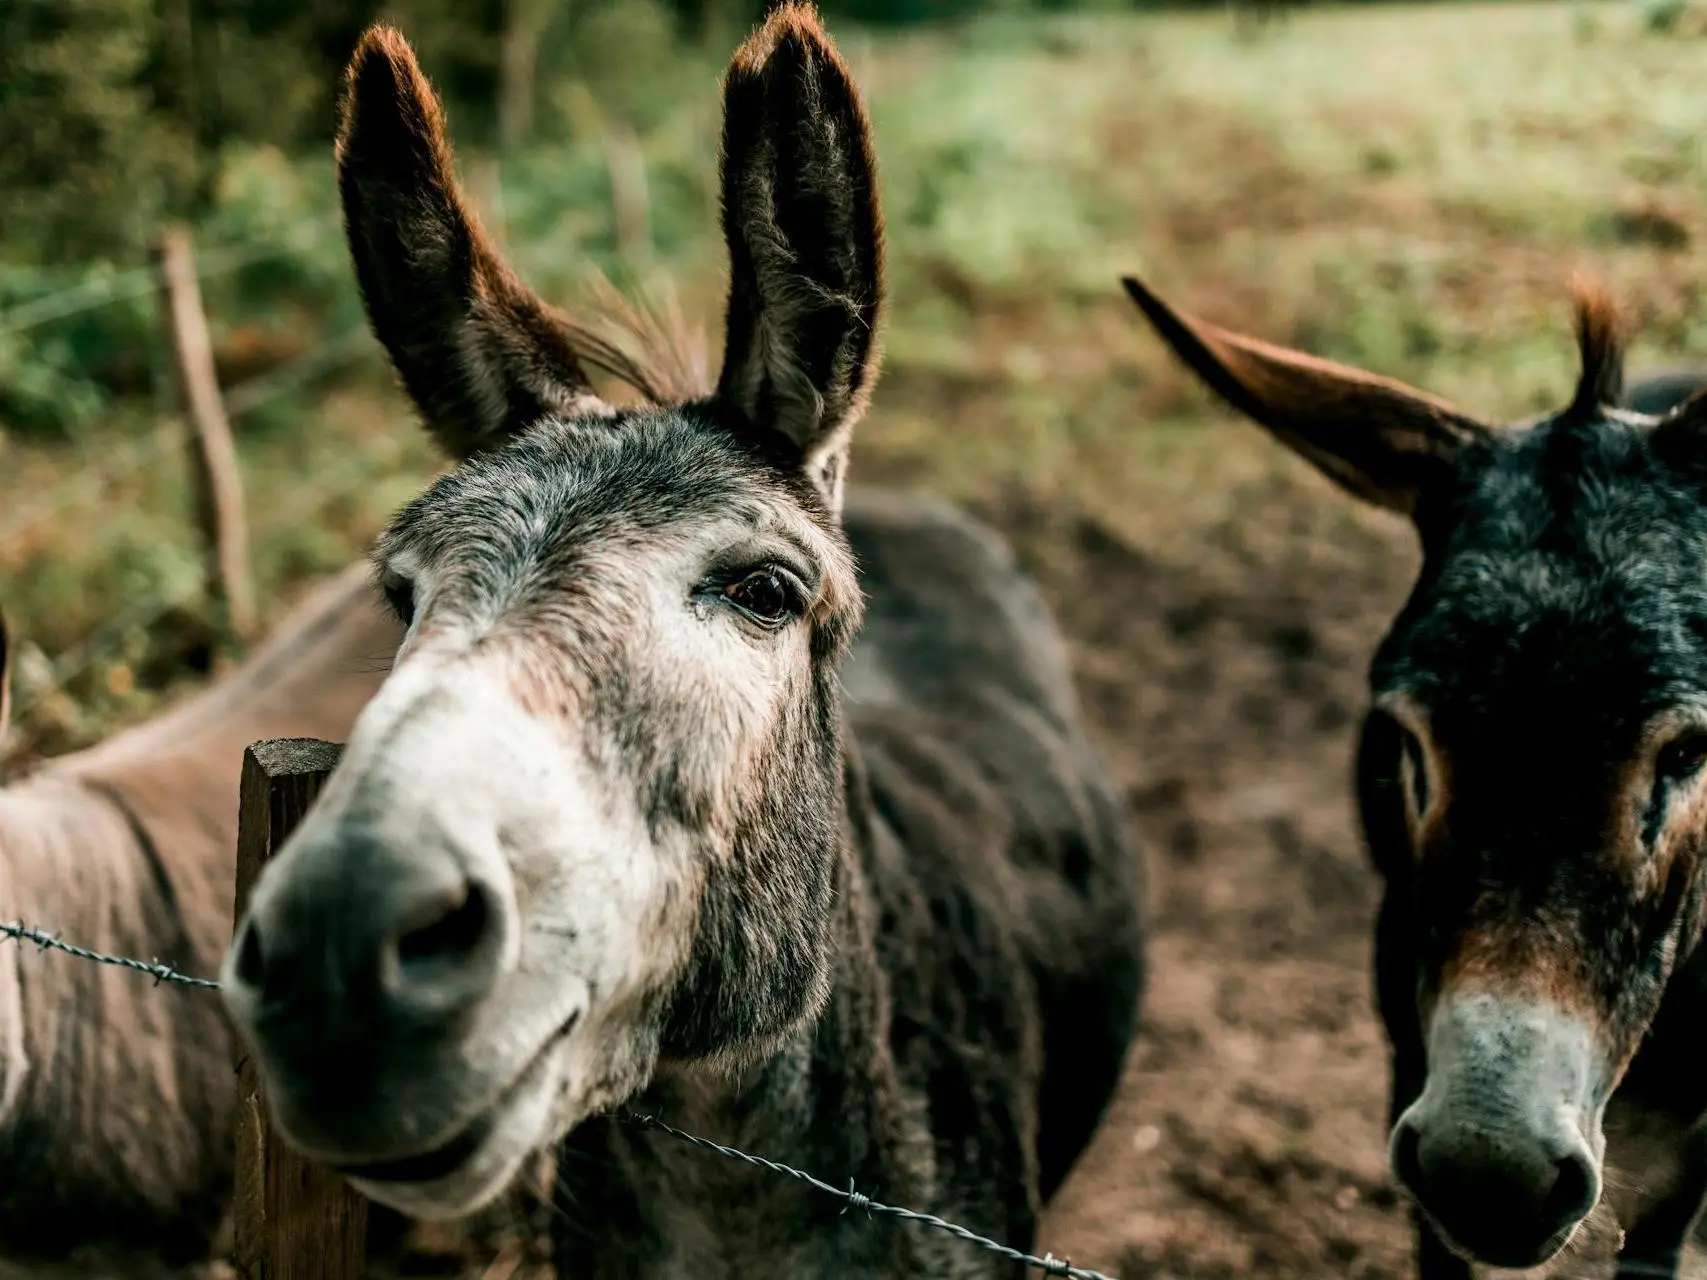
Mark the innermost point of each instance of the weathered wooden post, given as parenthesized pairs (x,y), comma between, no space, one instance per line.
(293,1220)
(218,483)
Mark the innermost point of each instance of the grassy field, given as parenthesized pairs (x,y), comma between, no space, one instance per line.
(1405,187)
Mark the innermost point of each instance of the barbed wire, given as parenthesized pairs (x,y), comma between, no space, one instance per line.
(1048,1264)
(18,931)
(134,282)
(76,660)
(90,480)
(244,398)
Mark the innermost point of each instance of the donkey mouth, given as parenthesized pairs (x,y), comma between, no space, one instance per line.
(454,1155)
(429,1166)
(1503,1253)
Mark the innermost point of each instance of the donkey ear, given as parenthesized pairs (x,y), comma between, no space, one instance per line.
(480,354)
(805,235)
(1378,439)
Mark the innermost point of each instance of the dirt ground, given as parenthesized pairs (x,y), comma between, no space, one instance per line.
(1248,1137)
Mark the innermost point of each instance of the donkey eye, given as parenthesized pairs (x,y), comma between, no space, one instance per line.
(767,596)
(400,595)
(1681,757)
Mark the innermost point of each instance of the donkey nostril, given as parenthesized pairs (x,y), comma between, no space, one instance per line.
(1572,1194)
(454,935)
(251,964)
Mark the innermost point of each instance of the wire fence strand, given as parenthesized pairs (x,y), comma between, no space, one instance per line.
(90,480)
(74,661)
(135,282)
(18,931)
(1048,1264)
(853,1200)
(240,400)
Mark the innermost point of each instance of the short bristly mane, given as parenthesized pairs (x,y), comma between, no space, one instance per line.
(1600,344)
(647,344)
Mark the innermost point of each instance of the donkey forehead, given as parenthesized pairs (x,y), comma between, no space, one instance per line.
(577,493)
(1591,492)
(1562,596)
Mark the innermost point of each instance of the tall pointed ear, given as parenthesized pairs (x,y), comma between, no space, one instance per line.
(1378,439)
(479,353)
(5,679)
(805,234)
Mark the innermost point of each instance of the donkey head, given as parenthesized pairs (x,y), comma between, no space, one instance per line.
(591,824)
(1530,772)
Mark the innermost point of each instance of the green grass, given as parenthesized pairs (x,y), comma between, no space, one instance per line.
(1408,188)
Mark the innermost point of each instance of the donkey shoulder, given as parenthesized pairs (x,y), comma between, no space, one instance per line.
(1660,392)
(951,621)
(1009,886)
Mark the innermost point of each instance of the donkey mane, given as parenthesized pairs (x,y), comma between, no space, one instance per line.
(649,344)
(1600,330)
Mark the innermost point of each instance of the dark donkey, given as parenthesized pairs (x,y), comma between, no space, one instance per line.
(612,832)
(1531,783)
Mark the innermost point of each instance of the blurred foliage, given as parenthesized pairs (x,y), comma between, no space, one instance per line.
(88,163)
(1675,17)
(274,278)
(1406,187)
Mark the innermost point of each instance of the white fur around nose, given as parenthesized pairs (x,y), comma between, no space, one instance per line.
(1522,1067)
(447,746)
(446,750)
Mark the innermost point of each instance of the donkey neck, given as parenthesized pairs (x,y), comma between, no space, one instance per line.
(828,1102)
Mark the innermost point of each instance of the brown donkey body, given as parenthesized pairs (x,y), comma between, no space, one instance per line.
(116,1099)
(1531,785)
(631,824)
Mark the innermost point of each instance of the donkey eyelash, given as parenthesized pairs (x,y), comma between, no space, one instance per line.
(1413,770)
(768,595)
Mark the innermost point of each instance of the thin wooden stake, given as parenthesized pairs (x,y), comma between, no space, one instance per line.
(630,205)
(219,484)
(293,1220)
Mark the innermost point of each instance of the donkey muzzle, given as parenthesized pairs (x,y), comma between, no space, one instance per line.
(1503,1148)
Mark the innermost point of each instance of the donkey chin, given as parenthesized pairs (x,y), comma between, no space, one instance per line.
(1503,1149)
(462,1174)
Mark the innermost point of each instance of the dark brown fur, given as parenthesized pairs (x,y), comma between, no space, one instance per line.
(1600,349)
(1544,681)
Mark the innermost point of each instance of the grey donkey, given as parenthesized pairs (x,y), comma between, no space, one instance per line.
(636,820)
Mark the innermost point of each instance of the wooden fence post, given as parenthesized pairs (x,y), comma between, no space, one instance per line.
(292,1220)
(218,482)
